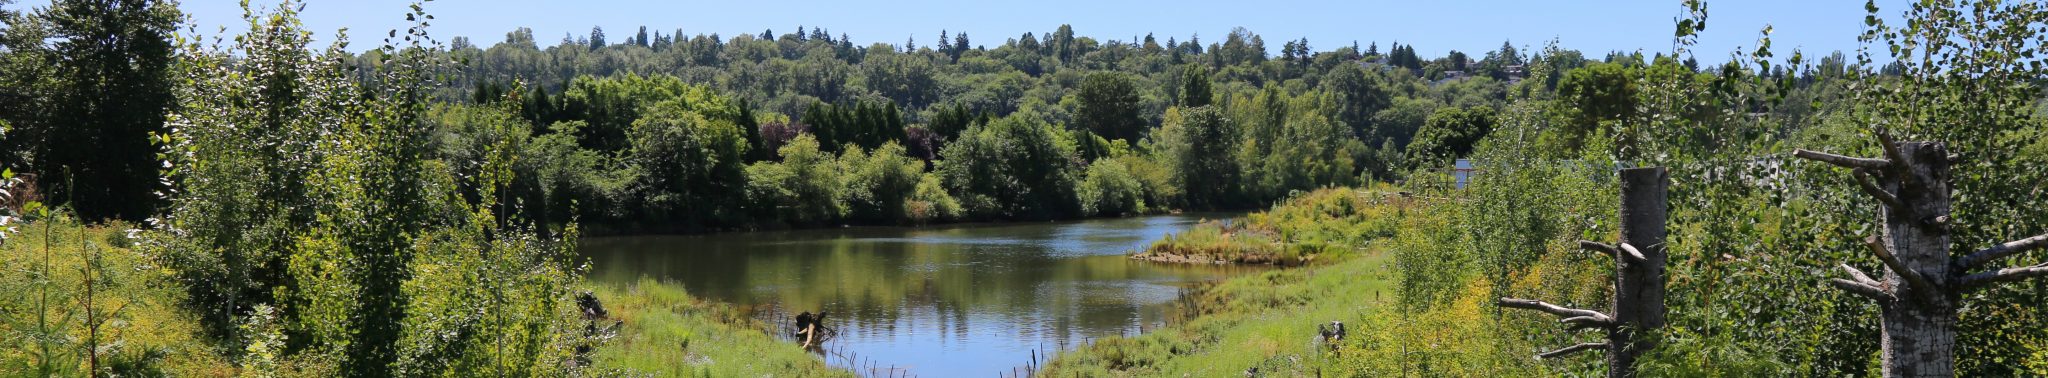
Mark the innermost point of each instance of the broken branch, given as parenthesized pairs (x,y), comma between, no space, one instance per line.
(1842,161)
(1985,279)
(1859,276)
(1560,311)
(1870,187)
(1897,157)
(1588,321)
(1861,284)
(1891,148)
(1912,277)
(2003,250)
(1864,289)
(1634,254)
(1603,248)
(1571,349)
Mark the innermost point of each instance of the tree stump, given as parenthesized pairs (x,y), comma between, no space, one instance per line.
(1922,287)
(1638,306)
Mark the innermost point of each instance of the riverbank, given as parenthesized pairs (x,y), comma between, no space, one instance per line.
(130,316)
(665,332)
(1320,225)
(1352,245)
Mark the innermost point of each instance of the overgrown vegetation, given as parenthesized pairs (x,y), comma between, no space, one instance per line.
(1752,241)
(308,211)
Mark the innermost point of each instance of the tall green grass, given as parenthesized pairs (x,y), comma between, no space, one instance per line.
(1357,275)
(1323,224)
(668,333)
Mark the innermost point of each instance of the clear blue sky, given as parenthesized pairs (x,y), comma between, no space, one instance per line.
(1434,27)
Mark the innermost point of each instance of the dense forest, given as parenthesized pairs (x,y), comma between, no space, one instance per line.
(413,208)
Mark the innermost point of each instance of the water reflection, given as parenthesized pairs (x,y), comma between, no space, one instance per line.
(941,301)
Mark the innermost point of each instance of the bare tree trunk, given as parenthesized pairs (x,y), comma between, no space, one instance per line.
(1920,331)
(1922,287)
(1638,307)
(1638,285)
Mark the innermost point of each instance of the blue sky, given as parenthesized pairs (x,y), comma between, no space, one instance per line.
(1434,27)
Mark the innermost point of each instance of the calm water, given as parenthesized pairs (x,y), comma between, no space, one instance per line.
(939,301)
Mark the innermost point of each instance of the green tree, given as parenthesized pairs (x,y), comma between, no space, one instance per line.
(1109,188)
(877,186)
(1012,168)
(1109,107)
(1196,90)
(688,167)
(802,189)
(108,92)
(1360,96)
(1602,92)
(1450,133)
(1199,145)
(307,190)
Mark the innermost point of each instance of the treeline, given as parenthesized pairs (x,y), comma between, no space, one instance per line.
(600,146)
(1081,127)
(1183,125)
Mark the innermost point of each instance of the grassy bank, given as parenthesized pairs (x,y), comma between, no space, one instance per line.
(1268,321)
(131,316)
(668,333)
(1323,224)
(1352,244)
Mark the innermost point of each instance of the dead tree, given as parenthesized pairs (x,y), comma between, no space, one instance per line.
(1922,286)
(1639,262)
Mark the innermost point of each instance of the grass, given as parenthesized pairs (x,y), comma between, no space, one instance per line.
(1324,224)
(668,333)
(142,330)
(1268,321)
(129,316)
(1267,324)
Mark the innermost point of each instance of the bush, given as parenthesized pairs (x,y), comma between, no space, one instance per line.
(801,189)
(930,202)
(1109,188)
(877,186)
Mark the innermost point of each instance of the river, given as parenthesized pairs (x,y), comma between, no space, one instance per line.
(942,301)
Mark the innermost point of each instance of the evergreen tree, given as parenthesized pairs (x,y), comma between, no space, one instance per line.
(597,37)
(1195,87)
(110,88)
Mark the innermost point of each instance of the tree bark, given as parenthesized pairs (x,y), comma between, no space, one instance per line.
(1919,325)
(1639,285)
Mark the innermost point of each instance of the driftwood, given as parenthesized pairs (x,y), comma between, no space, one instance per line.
(593,314)
(1332,333)
(811,330)
(1639,259)
(1922,287)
